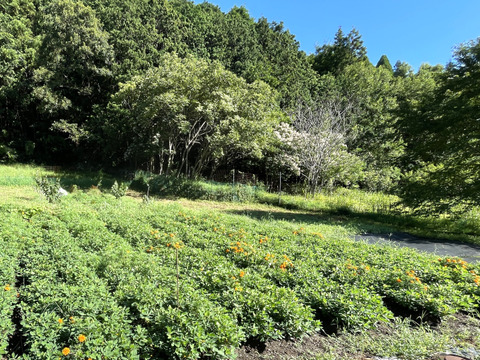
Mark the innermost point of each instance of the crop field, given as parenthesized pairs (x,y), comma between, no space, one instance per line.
(95,277)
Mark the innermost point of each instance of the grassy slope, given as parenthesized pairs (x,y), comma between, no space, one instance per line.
(93,231)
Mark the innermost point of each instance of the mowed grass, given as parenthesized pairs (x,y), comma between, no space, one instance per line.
(97,277)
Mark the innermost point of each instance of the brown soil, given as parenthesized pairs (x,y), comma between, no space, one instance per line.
(460,326)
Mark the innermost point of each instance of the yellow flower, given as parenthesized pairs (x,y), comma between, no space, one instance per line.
(82,338)
(7,287)
(66,351)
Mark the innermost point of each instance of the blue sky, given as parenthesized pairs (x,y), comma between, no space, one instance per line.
(414,31)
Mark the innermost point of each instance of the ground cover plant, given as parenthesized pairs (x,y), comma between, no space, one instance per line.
(99,277)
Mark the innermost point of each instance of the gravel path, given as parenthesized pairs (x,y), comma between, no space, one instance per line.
(468,252)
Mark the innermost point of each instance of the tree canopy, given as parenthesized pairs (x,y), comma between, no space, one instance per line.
(189,114)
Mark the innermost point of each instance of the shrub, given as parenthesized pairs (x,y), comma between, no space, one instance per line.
(49,187)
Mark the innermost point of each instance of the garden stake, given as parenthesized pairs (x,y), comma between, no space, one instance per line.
(178,298)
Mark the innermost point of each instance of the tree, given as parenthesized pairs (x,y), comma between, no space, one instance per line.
(315,144)
(139,32)
(449,129)
(189,114)
(383,61)
(18,48)
(73,70)
(345,50)
(402,69)
(378,141)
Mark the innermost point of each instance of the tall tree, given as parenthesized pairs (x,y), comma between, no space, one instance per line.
(73,66)
(315,145)
(378,141)
(402,69)
(139,32)
(189,114)
(449,131)
(345,50)
(383,61)
(18,49)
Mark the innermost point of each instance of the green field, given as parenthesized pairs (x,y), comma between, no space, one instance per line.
(95,277)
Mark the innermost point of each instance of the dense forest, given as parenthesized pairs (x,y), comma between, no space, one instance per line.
(185,90)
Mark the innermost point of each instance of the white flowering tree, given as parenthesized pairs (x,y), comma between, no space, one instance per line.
(315,144)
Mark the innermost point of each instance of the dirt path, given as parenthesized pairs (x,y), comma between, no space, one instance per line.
(468,252)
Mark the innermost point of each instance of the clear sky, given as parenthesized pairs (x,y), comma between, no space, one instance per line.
(414,31)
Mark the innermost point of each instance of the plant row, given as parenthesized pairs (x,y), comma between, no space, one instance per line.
(102,278)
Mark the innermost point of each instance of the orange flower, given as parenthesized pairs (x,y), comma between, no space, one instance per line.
(66,351)
(7,287)
(82,338)
(60,321)
(398,280)
(242,273)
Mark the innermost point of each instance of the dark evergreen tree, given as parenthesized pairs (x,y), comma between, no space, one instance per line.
(402,69)
(383,61)
(345,50)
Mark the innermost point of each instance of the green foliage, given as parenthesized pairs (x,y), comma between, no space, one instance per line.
(188,114)
(447,172)
(73,66)
(49,187)
(141,35)
(345,50)
(98,276)
(385,63)
(375,137)
(119,190)
(171,186)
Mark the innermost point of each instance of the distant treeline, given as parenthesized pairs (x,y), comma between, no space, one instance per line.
(183,89)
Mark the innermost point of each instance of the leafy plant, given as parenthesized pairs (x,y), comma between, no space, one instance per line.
(49,187)
(119,190)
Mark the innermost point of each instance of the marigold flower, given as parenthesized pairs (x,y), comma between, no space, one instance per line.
(66,351)
(60,321)
(242,273)
(82,338)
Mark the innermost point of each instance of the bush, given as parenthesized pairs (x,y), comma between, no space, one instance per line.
(49,187)
(119,190)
